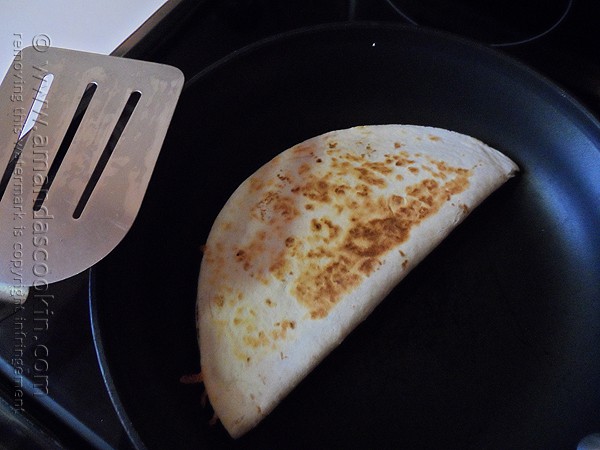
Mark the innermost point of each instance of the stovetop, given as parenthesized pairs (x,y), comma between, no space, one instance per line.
(52,391)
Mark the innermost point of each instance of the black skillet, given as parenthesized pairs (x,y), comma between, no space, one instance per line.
(492,342)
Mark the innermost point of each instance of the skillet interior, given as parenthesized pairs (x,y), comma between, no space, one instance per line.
(494,340)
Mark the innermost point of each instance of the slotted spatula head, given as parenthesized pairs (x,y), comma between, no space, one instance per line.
(79,137)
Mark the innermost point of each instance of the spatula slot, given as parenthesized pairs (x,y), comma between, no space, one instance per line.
(65,144)
(107,152)
(74,169)
(39,103)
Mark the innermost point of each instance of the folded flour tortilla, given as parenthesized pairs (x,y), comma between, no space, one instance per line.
(309,244)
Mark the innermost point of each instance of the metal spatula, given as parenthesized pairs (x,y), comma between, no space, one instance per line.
(79,137)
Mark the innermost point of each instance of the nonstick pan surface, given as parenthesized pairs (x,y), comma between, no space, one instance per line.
(492,342)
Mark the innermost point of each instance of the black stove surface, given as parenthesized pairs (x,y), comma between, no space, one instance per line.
(52,392)
(568,54)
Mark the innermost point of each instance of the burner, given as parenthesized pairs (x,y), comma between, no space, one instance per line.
(498,23)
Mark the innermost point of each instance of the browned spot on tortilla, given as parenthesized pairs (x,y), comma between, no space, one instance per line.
(395,202)
(280,267)
(303,169)
(304,149)
(363,190)
(379,166)
(257,340)
(281,329)
(275,207)
(413,169)
(227,226)
(381,226)
(376,236)
(219,300)
(265,338)
(367,175)
(351,157)
(332,144)
(256,183)
(285,208)
(441,165)
(402,158)
(341,189)
(332,229)
(284,251)
(319,253)
(404,264)
(341,167)
(368,266)
(246,255)
(434,138)
(320,287)
(284,177)
(317,189)
(397,145)
(214,255)
(456,185)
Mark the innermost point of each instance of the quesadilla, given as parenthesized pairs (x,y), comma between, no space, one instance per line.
(309,244)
